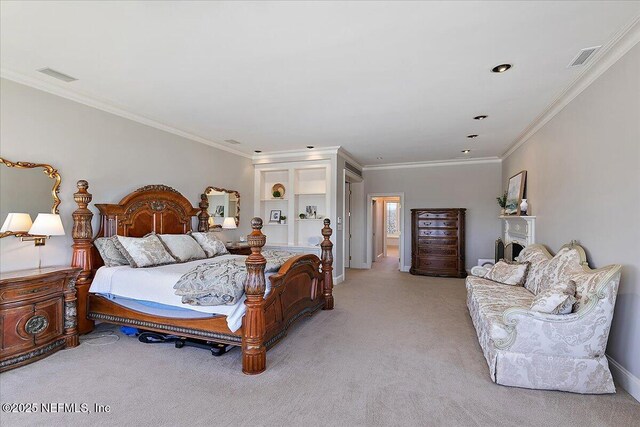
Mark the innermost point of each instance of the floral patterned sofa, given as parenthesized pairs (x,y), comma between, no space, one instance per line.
(526,348)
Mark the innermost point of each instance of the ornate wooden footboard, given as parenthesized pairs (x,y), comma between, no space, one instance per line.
(302,286)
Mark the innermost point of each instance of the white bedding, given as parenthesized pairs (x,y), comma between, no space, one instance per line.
(155,284)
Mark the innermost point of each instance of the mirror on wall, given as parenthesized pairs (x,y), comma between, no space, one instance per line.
(26,190)
(222,204)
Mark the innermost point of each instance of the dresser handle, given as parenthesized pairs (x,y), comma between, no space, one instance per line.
(33,291)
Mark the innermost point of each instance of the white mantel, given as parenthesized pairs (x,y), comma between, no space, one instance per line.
(519,229)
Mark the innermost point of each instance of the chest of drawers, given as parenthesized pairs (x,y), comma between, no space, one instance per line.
(437,242)
(37,314)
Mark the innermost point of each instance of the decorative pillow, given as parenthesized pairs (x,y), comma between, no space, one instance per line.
(537,256)
(558,270)
(210,243)
(182,247)
(109,252)
(586,284)
(147,251)
(508,273)
(557,299)
(553,303)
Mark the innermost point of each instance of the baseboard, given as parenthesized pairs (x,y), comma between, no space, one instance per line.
(405,268)
(624,378)
(338,279)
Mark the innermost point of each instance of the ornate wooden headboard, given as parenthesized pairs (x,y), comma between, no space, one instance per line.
(153,208)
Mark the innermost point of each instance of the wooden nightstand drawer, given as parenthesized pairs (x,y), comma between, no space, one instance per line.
(24,292)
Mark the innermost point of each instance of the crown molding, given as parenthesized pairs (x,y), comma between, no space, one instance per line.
(349,157)
(452,162)
(608,55)
(110,108)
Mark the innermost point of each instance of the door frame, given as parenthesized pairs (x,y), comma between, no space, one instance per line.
(354,179)
(369,243)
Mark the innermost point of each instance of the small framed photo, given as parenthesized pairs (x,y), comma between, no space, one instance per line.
(311,212)
(515,193)
(275,215)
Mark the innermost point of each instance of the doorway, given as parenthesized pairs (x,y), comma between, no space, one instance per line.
(385,232)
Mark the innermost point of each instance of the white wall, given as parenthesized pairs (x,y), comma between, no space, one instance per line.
(114,154)
(471,186)
(583,183)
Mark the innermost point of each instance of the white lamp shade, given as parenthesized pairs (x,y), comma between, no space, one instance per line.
(17,222)
(229,223)
(47,225)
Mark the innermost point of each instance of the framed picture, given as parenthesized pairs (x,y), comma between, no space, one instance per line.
(311,212)
(275,215)
(515,193)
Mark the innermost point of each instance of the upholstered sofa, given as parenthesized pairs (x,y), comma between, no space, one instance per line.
(526,348)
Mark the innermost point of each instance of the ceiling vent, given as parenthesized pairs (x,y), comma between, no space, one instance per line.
(57,75)
(583,56)
(232,141)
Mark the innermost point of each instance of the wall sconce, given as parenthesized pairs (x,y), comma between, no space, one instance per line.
(45,226)
(229,223)
(16,224)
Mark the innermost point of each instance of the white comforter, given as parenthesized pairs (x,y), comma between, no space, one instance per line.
(155,284)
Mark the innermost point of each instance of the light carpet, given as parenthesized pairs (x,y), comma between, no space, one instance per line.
(398,350)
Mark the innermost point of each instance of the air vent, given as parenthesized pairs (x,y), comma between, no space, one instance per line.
(583,56)
(57,75)
(353,169)
(232,141)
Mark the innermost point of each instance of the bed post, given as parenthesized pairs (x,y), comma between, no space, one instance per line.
(254,352)
(327,265)
(203,216)
(82,257)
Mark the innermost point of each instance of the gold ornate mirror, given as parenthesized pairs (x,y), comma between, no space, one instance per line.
(26,188)
(222,204)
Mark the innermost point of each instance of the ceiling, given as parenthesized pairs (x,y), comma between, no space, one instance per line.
(400,81)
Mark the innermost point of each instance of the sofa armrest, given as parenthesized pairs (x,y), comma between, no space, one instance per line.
(581,334)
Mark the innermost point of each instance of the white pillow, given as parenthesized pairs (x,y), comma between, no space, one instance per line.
(210,243)
(507,273)
(558,299)
(182,247)
(147,251)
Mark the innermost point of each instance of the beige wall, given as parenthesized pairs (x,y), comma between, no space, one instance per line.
(583,183)
(471,186)
(114,154)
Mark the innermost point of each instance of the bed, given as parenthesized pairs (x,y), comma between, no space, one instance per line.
(271,304)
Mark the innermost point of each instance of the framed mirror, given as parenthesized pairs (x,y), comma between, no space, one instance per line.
(223,203)
(26,188)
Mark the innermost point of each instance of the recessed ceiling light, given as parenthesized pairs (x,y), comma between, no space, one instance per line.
(466,151)
(310,147)
(472,136)
(57,75)
(232,141)
(258,151)
(500,68)
(480,117)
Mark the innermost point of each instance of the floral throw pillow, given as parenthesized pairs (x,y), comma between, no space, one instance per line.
(109,252)
(182,247)
(210,243)
(147,251)
(507,273)
(558,299)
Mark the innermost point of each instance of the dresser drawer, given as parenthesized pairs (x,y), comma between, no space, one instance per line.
(448,263)
(437,223)
(31,291)
(426,232)
(438,215)
(438,241)
(438,250)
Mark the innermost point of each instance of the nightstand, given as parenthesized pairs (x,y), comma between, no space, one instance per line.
(238,248)
(37,313)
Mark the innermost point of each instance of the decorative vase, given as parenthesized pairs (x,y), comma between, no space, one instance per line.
(503,211)
(524,206)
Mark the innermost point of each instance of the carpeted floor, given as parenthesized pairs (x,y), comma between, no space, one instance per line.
(397,350)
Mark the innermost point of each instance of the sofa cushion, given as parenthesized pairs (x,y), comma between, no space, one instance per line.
(536,256)
(508,273)
(489,300)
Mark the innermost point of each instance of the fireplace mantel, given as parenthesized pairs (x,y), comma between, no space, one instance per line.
(519,229)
